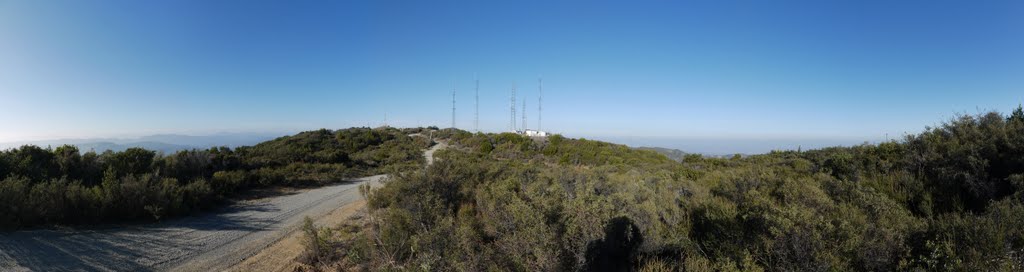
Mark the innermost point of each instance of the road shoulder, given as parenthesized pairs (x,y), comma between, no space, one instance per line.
(282,255)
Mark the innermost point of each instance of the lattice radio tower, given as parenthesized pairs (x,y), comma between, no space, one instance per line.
(524,115)
(512,108)
(476,118)
(453,102)
(540,101)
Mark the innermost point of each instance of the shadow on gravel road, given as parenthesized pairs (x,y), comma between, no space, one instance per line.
(122,247)
(162,245)
(68,252)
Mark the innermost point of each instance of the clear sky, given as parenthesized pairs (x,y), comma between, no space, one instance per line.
(775,72)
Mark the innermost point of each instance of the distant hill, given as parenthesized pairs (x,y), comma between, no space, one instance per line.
(674,154)
(166,148)
(166,143)
(225,139)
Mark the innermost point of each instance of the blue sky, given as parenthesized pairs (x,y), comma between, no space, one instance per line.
(689,74)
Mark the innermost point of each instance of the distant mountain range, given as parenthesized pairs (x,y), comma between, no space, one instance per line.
(167,143)
(674,154)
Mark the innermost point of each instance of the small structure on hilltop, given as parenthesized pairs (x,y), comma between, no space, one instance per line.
(534,133)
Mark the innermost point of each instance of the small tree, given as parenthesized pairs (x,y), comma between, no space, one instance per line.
(1017,115)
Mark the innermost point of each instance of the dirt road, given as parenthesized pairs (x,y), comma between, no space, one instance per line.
(207,242)
(429,154)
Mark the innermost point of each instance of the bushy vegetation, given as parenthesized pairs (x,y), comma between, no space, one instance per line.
(949,198)
(42,186)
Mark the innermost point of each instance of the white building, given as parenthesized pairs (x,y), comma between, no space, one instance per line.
(533,133)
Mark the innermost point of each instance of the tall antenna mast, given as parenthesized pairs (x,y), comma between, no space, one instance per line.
(476,119)
(512,107)
(524,114)
(540,100)
(453,102)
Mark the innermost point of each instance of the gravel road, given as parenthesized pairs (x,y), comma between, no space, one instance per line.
(208,242)
(429,154)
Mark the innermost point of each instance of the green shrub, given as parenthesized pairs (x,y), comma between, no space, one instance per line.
(61,186)
(949,198)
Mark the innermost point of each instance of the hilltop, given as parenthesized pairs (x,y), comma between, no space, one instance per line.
(674,154)
(950,197)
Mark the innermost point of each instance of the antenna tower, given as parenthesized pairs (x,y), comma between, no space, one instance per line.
(540,100)
(512,108)
(453,103)
(524,114)
(476,120)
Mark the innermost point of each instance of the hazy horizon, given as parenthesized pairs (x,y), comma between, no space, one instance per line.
(707,146)
(717,76)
